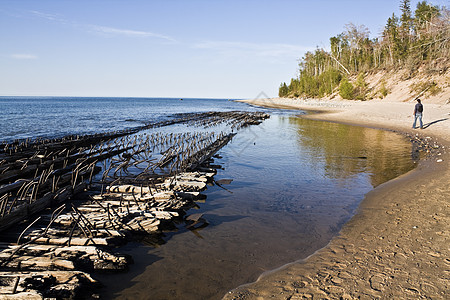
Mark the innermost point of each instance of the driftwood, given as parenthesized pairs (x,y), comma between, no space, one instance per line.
(145,182)
(54,284)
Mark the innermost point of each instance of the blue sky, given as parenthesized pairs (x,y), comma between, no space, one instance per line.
(171,48)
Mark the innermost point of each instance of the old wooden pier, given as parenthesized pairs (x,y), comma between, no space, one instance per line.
(66,203)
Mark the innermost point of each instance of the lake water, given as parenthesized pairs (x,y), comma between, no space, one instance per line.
(295,184)
(31,117)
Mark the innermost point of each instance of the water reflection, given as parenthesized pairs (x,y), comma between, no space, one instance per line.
(295,183)
(350,150)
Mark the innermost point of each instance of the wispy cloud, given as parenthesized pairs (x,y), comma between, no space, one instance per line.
(129,33)
(23,56)
(267,50)
(51,17)
(104,30)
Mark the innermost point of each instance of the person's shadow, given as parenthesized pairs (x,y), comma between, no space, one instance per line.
(434,122)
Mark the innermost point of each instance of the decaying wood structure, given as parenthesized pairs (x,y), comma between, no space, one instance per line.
(133,182)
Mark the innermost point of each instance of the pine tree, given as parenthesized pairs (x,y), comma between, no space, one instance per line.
(405,27)
(405,18)
(391,36)
(424,14)
(346,89)
(360,87)
(405,42)
(283,91)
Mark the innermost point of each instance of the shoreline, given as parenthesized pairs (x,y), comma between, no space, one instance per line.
(396,244)
(377,114)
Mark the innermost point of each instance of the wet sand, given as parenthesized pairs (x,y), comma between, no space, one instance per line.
(295,182)
(396,246)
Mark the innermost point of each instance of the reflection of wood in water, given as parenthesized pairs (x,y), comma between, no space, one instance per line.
(54,165)
(277,209)
(144,201)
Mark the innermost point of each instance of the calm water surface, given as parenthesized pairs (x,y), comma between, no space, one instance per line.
(295,183)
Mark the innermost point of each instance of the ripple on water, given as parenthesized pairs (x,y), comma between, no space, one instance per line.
(295,183)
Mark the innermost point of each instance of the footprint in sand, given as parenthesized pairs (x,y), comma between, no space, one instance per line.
(378,282)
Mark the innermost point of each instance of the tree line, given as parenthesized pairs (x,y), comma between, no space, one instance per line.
(407,41)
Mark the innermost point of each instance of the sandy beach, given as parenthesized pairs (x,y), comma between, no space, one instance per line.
(396,246)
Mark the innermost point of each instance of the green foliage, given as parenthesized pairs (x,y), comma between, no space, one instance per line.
(434,89)
(328,81)
(425,88)
(429,28)
(424,14)
(405,19)
(315,86)
(346,89)
(408,41)
(283,91)
(360,91)
(392,39)
(383,90)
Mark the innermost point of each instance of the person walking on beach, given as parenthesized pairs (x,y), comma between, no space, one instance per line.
(418,110)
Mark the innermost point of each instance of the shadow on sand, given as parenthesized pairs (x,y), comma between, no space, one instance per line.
(434,122)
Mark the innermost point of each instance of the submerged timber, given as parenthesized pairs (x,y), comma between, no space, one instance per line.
(76,198)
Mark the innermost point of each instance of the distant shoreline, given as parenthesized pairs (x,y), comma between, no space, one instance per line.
(395,246)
